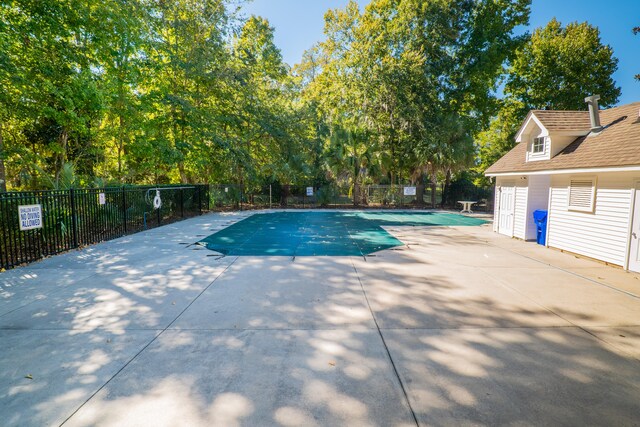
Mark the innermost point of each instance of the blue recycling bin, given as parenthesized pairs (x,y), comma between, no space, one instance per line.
(540,218)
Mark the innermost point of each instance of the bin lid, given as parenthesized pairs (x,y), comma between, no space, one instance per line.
(539,215)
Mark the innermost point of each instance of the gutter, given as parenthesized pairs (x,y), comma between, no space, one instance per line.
(567,171)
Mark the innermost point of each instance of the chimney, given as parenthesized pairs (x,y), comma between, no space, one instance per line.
(594,113)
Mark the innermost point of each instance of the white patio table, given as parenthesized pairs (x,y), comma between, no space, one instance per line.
(466,205)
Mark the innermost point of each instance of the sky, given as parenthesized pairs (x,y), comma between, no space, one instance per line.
(299,24)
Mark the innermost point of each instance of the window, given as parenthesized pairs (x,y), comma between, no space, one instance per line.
(538,145)
(582,192)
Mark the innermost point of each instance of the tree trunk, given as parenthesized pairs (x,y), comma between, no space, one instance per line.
(284,195)
(434,187)
(420,188)
(445,190)
(121,142)
(64,139)
(184,177)
(356,193)
(3,172)
(183,174)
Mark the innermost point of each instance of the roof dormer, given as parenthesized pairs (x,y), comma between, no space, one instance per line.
(536,136)
(546,133)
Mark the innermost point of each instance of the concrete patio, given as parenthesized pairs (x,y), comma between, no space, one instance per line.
(459,327)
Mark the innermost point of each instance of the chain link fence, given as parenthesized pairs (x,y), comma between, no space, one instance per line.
(238,197)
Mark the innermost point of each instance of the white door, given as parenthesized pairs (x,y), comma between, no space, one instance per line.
(507,207)
(634,241)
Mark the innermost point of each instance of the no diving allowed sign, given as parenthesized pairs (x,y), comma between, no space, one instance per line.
(30,217)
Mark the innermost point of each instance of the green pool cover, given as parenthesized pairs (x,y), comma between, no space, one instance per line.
(322,233)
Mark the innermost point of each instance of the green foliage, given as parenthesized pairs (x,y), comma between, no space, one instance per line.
(559,66)
(115,92)
(326,195)
(556,69)
(417,78)
(224,196)
(145,92)
(65,180)
(463,187)
(498,138)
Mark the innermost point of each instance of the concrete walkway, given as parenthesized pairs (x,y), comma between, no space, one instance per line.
(461,326)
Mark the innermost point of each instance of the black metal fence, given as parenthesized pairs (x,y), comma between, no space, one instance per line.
(70,219)
(35,224)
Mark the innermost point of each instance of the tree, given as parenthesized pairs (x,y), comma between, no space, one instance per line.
(122,58)
(7,95)
(272,129)
(493,142)
(556,69)
(417,77)
(186,84)
(559,66)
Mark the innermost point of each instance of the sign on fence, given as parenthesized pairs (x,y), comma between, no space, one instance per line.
(309,191)
(73,220)
(409,191)
(30,217)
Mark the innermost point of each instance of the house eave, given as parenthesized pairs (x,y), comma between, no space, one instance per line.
(567,171)
(530,116)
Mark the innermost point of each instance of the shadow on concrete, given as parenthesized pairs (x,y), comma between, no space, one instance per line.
(279,342)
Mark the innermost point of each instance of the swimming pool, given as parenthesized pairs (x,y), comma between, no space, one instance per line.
(322,233)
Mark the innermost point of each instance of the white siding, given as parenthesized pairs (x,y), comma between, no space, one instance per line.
(538,198)
(496,204)
(602,234)
(544,155)
(520,213)
(560,142)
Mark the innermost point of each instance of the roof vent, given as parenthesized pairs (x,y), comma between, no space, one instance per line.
(594,112)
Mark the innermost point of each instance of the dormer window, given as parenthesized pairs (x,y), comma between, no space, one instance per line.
(538,145)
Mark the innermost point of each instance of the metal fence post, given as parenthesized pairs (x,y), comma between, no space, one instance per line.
(182,202)
(206,188)
(74,219)
(5,245)
(199,191)
(124,209)
(159,214)
(269,196)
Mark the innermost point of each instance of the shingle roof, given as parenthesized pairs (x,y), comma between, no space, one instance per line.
(563,120)
(618,144)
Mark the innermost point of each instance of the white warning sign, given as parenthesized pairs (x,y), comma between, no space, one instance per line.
(309,191)
(30,217)
(409,191)
(102,198)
